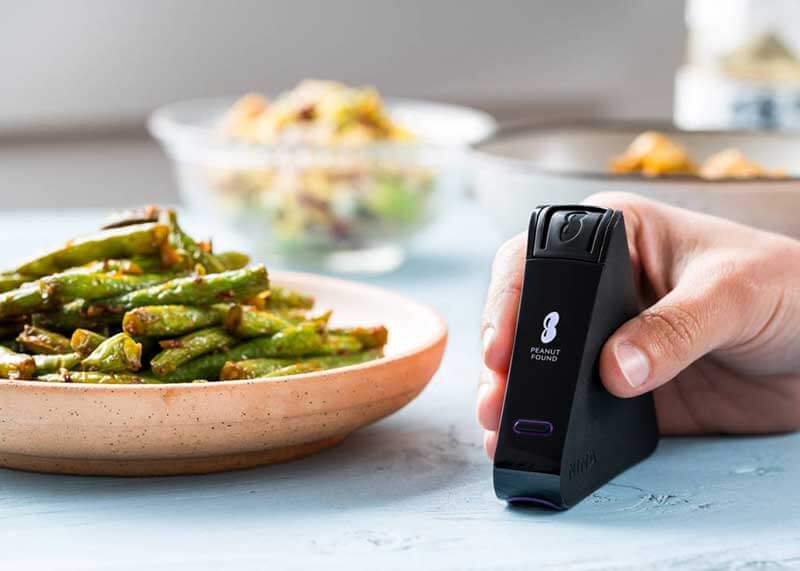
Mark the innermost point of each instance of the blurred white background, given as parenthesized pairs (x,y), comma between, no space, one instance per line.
(80,77)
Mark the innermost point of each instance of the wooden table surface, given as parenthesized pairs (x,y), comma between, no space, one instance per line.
(414,490)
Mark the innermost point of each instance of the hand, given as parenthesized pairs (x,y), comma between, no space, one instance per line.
(719,342)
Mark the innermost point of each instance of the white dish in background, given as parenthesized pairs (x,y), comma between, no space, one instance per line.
(523,167)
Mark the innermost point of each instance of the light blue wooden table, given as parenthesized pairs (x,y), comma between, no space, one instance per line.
(414,490)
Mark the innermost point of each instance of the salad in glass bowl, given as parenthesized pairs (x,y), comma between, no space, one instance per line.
(325,175)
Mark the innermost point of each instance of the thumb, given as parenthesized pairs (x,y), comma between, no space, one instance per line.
(684,259)
(696,317)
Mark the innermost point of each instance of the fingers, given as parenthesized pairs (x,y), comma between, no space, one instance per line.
(500,313)
(700,297)
(655,346)
(497,334)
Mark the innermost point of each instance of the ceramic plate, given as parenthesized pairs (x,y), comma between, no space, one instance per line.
(138,430)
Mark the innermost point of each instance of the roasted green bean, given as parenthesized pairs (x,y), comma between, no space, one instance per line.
(15,365)
(96,378)
(255,368)
(47,364)
(182,350)
(171,320)
(196,290)
(84,341)
(107,244)
(41,341)
(117,354)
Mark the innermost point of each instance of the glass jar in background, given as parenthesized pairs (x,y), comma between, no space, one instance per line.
(742,68)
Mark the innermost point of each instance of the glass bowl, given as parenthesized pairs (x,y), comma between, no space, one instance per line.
(345,209)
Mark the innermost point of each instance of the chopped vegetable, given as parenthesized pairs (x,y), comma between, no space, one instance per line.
(142,302)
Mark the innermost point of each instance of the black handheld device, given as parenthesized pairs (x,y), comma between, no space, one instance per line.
(562,435)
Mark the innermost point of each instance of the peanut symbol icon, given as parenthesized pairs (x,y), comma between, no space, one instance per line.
(549,332)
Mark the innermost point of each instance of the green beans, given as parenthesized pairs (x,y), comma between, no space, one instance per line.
(68,286)
(171,320)
(295,341)
(252,368)
(255,368)
(95,378)
(283,298)
(84,341)
(325,363)
(369,337)
(46,364)
(41,341)
(247,321)
(149,264)
(197,290)
(179,351)
(13,281)
(117,354)
(294,316)
(341,344)
(115,243)
(250,322)
(71,316)
(107,266)
(183,251)
(52,291)
(15,365)
(141,301)
(295,369)
(233,260)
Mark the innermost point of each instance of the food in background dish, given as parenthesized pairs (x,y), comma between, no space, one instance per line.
(731,163)
(331,184)
(654,154)
(314,112)
(140,301)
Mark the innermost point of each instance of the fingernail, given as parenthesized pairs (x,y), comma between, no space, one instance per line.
(633,363)
(488,337)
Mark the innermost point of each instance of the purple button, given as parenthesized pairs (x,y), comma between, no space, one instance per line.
(525,427)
